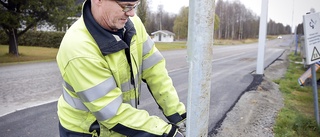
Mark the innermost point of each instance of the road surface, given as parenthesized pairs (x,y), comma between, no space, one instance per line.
(29,91)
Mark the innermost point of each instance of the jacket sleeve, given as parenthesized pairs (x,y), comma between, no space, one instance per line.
(161,86)
(155,74)
(104,100)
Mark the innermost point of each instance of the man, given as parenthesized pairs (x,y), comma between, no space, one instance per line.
(103,58)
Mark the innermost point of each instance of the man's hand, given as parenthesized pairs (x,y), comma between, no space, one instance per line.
(182,127)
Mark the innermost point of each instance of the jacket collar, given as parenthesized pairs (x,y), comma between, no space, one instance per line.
(107,42)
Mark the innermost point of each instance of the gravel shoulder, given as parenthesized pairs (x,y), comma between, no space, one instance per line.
(255,112)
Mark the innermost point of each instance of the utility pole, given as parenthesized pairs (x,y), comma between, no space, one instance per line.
(311,30)
(262,37)
(160,8)
(200,43)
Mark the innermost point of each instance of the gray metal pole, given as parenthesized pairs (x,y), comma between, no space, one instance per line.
(292,27)
(200,42)
(295,41)
(262,37)
(314,86)
(315,92)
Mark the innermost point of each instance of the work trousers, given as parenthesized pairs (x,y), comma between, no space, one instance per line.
(67,133)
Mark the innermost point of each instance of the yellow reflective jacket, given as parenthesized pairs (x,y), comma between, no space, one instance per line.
(102,76)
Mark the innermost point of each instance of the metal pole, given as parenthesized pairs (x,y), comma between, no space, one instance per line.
(315,92)
(315,86)
(200,42)
(293,35)
(295,41)
(262,36)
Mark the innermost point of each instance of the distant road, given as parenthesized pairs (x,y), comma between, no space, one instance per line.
(26,85)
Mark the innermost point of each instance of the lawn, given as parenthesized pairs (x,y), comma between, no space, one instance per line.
(296,118)
(27,53)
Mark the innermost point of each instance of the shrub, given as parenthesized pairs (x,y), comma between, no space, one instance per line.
(36,38)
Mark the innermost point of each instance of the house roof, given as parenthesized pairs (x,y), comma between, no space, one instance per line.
(163,32)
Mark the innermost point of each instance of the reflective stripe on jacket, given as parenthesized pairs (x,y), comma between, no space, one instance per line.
(100,85)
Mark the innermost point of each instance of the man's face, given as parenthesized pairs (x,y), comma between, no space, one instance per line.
(115,14)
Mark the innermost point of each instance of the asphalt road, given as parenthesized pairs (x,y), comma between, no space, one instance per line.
(29,91)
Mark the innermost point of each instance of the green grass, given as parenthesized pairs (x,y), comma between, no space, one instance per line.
(162,46)
(296,118)
(233,42)
(27,54)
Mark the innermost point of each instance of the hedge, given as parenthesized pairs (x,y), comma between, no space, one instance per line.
(35,38)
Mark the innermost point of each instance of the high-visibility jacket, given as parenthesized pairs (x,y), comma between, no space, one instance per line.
(102,76)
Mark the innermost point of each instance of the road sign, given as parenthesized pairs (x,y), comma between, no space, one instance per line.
(311,25)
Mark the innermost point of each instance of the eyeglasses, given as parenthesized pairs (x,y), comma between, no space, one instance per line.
(127,8)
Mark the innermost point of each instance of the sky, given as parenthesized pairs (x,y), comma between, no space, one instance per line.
(287,12)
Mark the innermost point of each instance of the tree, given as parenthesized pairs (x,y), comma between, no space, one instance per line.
(180,27)
(237,22)
(168,21)
(142,11)
(159,20)
(216,22)
(300,29)
(219,11)
(277,28)
(152,23)
(23,15)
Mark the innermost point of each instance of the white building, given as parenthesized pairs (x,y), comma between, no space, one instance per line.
(163,36)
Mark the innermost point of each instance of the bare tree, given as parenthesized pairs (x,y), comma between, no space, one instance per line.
(168,21)
(180,27)
(152,23)
(142,11)
(237,22)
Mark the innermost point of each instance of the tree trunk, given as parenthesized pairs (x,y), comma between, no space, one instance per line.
(13,42)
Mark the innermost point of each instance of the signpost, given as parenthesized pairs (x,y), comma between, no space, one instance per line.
(311,25)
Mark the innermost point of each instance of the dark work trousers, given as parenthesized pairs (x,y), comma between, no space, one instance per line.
(67,133)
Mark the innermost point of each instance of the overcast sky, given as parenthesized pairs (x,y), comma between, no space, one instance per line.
(279,10)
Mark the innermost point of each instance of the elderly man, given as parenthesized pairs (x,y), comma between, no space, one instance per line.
(103,59)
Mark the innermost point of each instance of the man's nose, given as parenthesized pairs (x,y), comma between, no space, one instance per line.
(131,13)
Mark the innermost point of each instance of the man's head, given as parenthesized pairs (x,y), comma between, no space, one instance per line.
(113,14)
(127,0)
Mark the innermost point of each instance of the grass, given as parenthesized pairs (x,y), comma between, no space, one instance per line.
(162,46)
(234,42)
(27,54)
(296,118)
